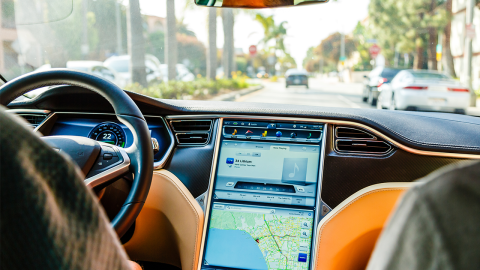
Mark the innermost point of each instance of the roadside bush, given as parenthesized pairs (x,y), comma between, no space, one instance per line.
(198,89)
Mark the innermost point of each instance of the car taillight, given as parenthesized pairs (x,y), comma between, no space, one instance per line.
(458,89)
(381,81)
(416,87)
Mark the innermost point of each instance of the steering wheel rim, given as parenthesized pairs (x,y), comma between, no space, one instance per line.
(126,111)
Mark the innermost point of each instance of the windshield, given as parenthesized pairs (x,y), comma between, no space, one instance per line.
(339,53)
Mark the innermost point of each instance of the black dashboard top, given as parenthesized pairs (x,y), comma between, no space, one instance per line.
(420,130)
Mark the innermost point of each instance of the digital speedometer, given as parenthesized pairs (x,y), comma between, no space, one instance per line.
(108,133)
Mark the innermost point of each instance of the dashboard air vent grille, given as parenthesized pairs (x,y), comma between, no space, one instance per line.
(192,132)
(352,133)
(33,119)
(191,125)
(375,147)
(350,140)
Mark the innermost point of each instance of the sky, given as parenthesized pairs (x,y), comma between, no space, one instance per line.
(306,25)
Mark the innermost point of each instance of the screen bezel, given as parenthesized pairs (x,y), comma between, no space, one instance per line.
(213,173)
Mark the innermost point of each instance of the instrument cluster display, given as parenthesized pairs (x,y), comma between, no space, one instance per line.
(108,132)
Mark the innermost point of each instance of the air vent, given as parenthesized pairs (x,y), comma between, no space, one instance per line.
(191,125)
(33,119)
(192,132)
(350,140)
(361,146)
(352,133)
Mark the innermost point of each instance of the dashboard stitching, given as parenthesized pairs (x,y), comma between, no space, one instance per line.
(346,206)
(162,172)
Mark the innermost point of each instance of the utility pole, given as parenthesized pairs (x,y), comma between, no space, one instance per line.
(467,54)
(118,23)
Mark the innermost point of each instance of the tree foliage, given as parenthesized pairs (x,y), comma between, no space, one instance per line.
(405,26)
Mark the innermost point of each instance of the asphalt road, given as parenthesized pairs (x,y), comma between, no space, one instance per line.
(322,92)
(326,92)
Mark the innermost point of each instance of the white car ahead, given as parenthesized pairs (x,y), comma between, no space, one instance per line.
(424,90)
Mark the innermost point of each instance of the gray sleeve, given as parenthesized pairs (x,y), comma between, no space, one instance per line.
(410,240)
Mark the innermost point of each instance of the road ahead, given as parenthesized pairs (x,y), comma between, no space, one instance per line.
(322,92)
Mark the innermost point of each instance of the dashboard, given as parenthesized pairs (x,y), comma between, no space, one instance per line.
(301,162)
(106,128)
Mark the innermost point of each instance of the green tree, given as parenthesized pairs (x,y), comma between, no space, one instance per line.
(273,31)
(408,27)
(329,49)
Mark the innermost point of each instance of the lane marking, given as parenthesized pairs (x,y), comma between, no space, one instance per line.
(349,102)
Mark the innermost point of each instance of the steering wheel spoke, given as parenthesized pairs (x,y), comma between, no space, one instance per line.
(111,163)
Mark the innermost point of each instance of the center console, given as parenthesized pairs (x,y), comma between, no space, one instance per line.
(263,203)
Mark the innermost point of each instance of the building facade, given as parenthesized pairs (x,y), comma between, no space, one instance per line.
(457,40)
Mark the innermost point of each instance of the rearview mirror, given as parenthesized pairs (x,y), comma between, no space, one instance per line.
(256,3)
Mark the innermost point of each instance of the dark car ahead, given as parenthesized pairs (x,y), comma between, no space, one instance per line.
(296,77)
(377,77)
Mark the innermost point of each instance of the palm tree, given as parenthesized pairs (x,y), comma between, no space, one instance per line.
(212,44)
(171,41)
(228,46)
(136,43)
(273,31)
(446,42)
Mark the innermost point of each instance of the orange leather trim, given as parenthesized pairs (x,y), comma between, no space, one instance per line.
(169,228)
(134,265)
(347,235)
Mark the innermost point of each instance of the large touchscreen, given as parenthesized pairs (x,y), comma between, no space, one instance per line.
(262,211)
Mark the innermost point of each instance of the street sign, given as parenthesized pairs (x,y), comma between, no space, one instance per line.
(343,58)
(470,30)
(253,50)
(371,40)
(374,50)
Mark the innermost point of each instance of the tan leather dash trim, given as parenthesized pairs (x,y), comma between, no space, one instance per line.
(196,209)
(169,228)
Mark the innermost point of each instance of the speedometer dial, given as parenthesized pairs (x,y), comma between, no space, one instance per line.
(108,133)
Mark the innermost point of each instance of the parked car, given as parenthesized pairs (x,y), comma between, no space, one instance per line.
(262,73)
(296,77)
(376,78)
(94,67)
(424,90)
(121,64)
(183,74)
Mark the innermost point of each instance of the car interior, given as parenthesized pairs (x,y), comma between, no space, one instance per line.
(183,182)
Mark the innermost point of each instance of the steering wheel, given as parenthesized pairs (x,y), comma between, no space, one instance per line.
(100,162)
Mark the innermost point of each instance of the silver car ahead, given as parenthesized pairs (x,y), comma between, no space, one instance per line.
(424,90)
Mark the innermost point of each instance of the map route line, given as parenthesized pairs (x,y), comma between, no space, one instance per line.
(273,236)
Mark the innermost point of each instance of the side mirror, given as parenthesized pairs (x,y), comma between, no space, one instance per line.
(256,3)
